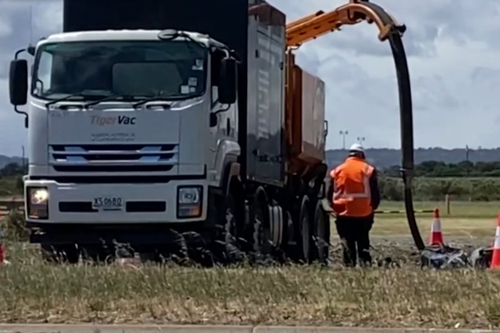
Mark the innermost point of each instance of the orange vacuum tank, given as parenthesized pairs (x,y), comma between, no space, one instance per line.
(305,119)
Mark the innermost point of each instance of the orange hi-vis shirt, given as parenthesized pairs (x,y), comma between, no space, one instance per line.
(352,195)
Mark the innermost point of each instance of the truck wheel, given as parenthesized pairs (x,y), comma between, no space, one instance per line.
(304,237)
(198,250)
(67,253)
(262,244)
(321,234)
(176,252)
(97,254)
(226,238)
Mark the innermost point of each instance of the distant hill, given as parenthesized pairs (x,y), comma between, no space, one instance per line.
(383,157)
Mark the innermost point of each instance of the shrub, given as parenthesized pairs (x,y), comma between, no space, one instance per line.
(14,227)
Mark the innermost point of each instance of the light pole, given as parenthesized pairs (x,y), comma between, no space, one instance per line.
(23,163)
(343,134)
(467,158)
(361,139)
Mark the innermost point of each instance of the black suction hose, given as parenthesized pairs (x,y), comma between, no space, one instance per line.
(406,113)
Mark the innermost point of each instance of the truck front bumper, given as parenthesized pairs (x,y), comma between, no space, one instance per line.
(113,203)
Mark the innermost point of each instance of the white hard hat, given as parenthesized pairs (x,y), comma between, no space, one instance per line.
(357,148)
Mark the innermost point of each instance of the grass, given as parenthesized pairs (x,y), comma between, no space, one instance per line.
(465,219)
(450,226)
(33,292)
(458,209)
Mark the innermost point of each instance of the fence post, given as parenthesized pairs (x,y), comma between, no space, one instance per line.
(447,203)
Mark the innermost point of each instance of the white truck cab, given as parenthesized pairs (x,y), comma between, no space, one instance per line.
(125,127)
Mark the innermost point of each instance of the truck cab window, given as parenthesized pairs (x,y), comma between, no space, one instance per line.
(143,78)
(133,68)
(44,73)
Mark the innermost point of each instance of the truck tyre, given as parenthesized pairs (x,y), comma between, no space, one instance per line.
(321,234)
(304,236)
(97,254)
(226,233)
(176,250)
(198,250)
(57,254)
(262,245)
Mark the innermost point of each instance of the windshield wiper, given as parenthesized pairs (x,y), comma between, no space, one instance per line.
(160,98)
(64,99)
(83,94)
(127,98)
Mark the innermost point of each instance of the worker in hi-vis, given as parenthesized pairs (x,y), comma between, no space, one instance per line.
(354,196)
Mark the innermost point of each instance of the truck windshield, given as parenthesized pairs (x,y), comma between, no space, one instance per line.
(92,70)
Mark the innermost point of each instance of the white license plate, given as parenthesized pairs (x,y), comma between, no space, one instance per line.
(108,203)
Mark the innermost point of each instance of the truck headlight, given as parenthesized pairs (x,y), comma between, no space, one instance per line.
(189,201)
(38,203)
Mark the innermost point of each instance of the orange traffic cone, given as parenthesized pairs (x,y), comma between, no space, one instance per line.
(495,259)
(436,237)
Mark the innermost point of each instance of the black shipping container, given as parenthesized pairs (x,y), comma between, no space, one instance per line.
(253,28)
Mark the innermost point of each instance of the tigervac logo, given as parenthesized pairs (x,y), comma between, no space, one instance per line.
(112,120)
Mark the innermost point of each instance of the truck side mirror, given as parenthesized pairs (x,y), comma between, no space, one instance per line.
(228,81)
(18,82)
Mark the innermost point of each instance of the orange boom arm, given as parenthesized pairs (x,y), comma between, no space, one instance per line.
(356,11)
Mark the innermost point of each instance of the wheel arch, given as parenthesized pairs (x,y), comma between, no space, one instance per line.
(226,163)
(231,177)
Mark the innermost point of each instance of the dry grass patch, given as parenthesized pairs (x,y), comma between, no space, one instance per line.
(458,209)
(451,226)
(33,292)
(474,219)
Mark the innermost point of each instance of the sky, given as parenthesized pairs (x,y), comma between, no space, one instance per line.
(453,52)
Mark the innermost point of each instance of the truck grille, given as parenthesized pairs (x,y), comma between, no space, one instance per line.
(113,158)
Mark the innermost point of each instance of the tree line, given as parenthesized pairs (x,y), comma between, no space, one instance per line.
(13,169)
(465,180)
(435,189)
(11,178)
(424,169)
(441,169)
